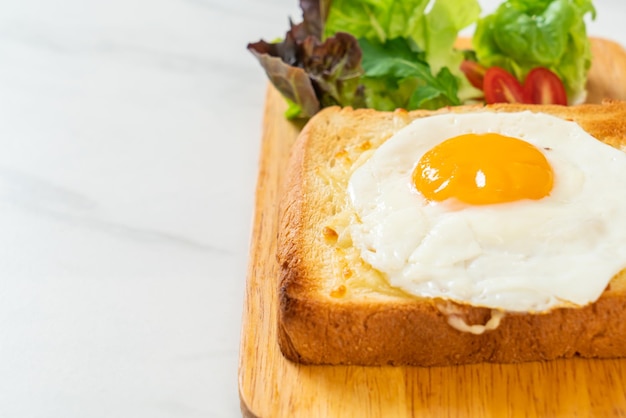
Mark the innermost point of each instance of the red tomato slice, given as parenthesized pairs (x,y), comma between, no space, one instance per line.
(500,86)
(474,72)
(542,86)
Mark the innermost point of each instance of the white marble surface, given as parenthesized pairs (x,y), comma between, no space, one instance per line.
(129,139)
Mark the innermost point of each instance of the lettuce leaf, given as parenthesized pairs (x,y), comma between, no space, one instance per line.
(399,66)
(311,73)
(434,31)
(524,34)
(292,81)
(443,24)
(377,20)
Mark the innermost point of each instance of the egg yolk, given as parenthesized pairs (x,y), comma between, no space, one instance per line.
(482,169)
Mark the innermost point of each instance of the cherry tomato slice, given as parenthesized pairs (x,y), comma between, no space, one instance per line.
(474,72)
(500,86)
(542,86)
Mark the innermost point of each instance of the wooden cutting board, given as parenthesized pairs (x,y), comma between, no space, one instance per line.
(272,387)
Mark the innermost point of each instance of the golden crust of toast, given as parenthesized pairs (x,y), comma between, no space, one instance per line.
(335,309)
(607,75)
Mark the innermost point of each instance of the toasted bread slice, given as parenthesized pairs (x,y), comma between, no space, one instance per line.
(607,76)
(336,309)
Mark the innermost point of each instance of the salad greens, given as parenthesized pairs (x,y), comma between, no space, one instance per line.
(311,73)
(388,54)
(407,49)
(524,34)
(396,74)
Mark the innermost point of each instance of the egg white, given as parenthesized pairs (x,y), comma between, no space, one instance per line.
(528,255)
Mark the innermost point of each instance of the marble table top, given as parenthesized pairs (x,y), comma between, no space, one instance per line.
(129,141)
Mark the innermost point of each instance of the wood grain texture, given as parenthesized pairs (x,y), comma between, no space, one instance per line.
(272,387)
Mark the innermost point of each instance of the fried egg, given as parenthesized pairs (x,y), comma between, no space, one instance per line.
(512,211)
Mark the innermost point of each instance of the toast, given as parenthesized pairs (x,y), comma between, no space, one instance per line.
(336,309)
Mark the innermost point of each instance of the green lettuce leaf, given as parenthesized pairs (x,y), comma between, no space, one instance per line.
(377,20)
(443,24)
(434,31)
(524,34)
(396,76)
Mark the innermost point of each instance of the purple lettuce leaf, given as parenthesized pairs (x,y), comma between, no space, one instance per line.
(311,73)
